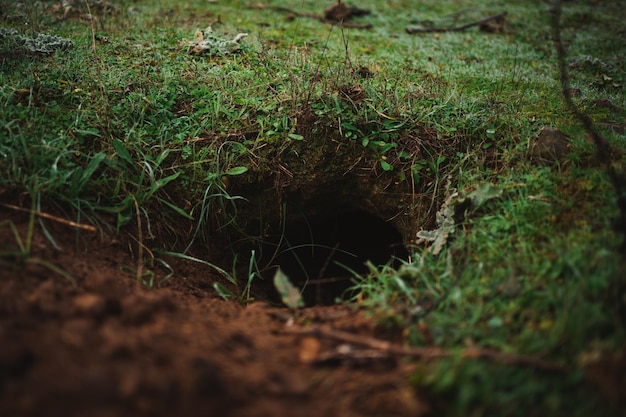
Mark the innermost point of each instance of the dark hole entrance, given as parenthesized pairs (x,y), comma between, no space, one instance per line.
(321,254)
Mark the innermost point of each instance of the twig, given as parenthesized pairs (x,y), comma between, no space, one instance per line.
(51,217)
(428,352)
(456,28)
(145,248)
(327,280)
(318,289)
(601,143)
(322,19)
(327,261)
(618,178)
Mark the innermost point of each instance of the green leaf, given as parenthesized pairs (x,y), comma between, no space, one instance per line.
(88,132)
(236,171)
(295,136)
(495,322)
(222,291)
(289,294)
(91,168)
(122,151)
(349,126)
(161,182)
(385,165)
(176,208)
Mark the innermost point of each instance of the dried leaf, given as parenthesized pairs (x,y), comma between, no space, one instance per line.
(446,215)
(199,36)
(289,294)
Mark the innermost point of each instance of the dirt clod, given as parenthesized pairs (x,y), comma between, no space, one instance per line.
(551,146)
(89,304)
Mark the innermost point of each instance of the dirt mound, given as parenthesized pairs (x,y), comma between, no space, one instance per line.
(108,346)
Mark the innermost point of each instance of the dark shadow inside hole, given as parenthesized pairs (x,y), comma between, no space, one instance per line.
(321,254)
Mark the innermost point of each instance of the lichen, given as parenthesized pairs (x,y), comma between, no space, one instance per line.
(40,43)
(456,204)
(209,44)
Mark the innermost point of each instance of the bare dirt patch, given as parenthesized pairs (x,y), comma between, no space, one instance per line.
(109,346)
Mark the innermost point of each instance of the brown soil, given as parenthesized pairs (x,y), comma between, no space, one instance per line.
(111,347)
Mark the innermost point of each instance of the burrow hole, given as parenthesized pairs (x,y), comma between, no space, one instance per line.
(321,253)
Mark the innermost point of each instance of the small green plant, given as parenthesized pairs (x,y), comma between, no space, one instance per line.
(23,254)
(148,278)
(244,294)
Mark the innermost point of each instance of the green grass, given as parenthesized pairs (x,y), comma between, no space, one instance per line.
(126,125)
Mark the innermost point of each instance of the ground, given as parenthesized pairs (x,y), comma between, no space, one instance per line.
(108,346)
(448,159)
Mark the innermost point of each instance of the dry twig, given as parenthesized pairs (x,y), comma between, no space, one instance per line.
(457,28)
(603,148)
(426,352)
(52,217)
(322,19)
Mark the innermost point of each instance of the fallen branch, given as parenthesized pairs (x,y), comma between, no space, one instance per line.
(51,217)
(603,148)
(456,28)
(426,352)
(322,19)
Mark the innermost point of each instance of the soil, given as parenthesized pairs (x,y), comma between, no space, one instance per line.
(108,346)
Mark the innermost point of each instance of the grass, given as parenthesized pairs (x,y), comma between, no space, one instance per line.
(21,255)
(127,128)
